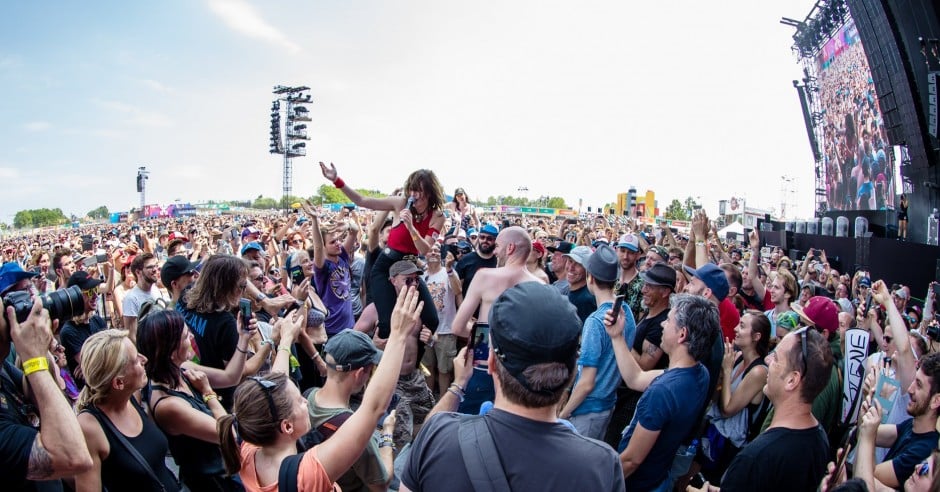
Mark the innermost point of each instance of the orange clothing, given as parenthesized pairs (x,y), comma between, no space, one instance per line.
(311,477)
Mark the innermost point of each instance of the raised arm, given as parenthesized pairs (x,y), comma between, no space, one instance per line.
(753,273)
(59,449)
(636,378)
(385,203)
(907,365)
(338,454)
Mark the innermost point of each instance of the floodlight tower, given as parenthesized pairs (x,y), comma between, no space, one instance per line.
(142,177)
(292,142)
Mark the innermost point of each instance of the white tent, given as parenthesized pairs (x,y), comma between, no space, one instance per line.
(735,227)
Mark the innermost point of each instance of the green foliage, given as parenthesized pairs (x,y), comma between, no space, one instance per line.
(40,217)
(327,193)
(676,211)
(287,201)
(99,213)
(544,201)
(264,203)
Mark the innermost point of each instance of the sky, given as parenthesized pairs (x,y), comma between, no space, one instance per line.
(580,100)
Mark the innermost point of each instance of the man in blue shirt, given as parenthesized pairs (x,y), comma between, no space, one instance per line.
(595,390)
(672,399)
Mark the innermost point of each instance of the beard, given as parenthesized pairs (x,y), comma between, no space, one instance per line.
(487,248)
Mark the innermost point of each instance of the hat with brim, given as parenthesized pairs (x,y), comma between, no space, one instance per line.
(660,274)
(820,312)
(350,350)
(11,273)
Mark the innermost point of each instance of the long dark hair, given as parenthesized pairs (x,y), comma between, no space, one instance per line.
(426,181)
(252,416)
(217,283)
(158,336)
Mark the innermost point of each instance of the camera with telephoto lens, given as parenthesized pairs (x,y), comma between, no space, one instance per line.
(62,304)
(933,331)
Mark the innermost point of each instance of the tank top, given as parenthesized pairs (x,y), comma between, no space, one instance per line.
(120,468)
(399,238)
(194,456)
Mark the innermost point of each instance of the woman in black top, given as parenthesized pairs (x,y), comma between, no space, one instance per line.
(902,218)
(126,447)
(182,401)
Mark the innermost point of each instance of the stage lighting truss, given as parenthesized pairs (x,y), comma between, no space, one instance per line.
(817,28)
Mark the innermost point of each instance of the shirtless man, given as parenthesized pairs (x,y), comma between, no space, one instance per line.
(512,250)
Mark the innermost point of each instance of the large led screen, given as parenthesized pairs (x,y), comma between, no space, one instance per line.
(859,163)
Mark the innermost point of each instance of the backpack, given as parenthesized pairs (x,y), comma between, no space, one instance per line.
(322,432)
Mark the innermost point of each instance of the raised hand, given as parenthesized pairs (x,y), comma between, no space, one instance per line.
(407,312)
(328,172)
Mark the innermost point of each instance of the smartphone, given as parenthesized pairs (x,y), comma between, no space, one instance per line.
(90,261)
(936,289)
(244,305)
(479,342)
(103,257)
(618,303)
(296,275)
(867,305)
(839,466)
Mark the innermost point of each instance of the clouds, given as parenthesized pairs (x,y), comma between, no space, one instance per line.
(137,116)
(37,126)
(243,18)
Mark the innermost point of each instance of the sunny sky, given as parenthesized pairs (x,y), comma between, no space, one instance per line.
(573,99)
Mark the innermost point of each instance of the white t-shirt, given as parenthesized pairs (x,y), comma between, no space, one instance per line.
(137,297)
(444,301)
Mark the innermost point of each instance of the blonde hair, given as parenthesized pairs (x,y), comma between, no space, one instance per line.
(103,359)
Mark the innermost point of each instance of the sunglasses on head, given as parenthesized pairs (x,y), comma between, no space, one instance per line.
(267,387)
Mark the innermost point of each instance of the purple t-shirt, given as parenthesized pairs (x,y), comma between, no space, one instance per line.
(332,283)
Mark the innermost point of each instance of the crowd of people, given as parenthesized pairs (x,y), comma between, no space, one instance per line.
(413,343)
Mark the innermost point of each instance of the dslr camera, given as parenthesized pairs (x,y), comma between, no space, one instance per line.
(62,304)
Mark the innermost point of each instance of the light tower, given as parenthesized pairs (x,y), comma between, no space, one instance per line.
(292,142)
(142,177)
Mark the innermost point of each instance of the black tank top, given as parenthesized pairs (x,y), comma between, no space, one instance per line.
(194,456)
(120,470)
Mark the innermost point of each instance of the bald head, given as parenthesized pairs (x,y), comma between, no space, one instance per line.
(513,244)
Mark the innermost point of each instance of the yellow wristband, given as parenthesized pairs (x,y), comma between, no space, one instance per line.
(35,365)
(210,396)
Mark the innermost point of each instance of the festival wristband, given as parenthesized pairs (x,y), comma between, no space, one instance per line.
(339,183)
(35,365)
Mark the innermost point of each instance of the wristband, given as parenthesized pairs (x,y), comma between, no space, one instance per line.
(209,396)
(259,297)
(35,364)
(458,387)
(700,243)
(240,350)
(339,183)
(458,395)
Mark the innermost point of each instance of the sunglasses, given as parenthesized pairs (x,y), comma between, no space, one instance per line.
(803,331)
(90,292)
(268,387)
(923,469)
(488,238)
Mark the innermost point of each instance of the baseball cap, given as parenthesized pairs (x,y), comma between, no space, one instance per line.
(532,323)
(602,264)
(83,280)
(539,247)
(564,246)
(660,274)
(10,273)
(174,268)
(471,232)
(901,293)
(660,250)
(351,350)
(713,277)
(177,235)
(864,281)
(403,267)
(580,254)
(788,320)
(250,246)
(250,230)
(629,241)
(489,229)
(821,312)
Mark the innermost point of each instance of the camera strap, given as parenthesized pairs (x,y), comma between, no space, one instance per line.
(480,457)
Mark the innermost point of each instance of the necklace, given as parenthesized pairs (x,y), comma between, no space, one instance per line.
(420,216)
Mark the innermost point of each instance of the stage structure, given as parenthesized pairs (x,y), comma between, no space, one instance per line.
(869,114)
(292,141)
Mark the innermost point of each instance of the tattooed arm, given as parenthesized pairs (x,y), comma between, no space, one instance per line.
(59,450)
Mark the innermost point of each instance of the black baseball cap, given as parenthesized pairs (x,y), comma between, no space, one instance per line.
(83,280)
(174,268)
(564,246)
(532,323)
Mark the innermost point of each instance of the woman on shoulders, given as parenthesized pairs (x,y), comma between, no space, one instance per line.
(465,215)
(113,421)
(421,220)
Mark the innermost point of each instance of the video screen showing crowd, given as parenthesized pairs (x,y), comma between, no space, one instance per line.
(415,342)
